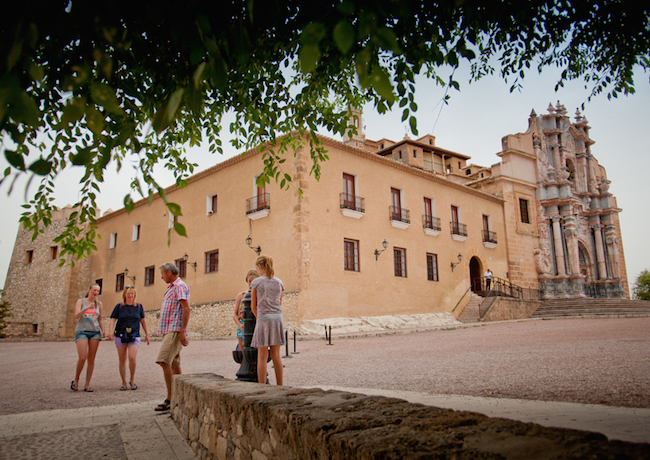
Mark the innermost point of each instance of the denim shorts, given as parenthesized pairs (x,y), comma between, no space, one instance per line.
(119,343)
(87,335)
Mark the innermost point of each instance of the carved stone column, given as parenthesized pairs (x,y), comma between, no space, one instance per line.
(571,235)
(559,246)
(612,241)
(600,253)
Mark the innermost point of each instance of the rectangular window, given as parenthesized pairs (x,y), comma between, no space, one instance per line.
(54,252)
(261,197)
(399,257)
(428,207)
(432,267)
(182,267)
(523,211)
(349,191)
(119,282)
(486,223)
(136,232)
(212,261)
(100,283)
(113,241)
(351,255)
(29,256)
(149,275)
(211,204)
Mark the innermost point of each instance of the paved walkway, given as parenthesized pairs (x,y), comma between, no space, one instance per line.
(125,431)
(135,432)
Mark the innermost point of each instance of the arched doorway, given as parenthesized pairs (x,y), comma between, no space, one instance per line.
(475,274)
(585,264)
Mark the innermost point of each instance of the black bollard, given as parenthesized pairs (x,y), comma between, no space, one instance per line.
(248,370)
(294,343)
(326,332)
(286,343)
(330,336)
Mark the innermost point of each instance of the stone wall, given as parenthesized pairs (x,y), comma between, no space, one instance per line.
(505,308)
(41,292)
(224,419)
(214,319)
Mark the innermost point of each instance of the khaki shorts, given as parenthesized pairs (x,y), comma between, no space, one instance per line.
(170,349)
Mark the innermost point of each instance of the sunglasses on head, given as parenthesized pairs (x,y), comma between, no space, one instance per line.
(129,287)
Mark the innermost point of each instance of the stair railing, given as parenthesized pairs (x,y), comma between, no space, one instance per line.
(461,298)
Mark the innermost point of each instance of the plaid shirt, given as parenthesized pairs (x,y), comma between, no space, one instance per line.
(171,312)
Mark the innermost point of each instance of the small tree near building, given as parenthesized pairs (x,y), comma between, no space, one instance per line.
(642,286)
(5,312)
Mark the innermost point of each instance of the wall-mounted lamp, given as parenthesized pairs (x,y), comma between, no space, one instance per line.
(258,249)
(460,259)
(193,264)
(377,251)
(126,275)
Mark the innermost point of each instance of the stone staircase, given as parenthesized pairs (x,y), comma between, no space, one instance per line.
(470,313)
(593,308)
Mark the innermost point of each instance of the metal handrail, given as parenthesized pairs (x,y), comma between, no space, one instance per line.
(504,287)
(461,298)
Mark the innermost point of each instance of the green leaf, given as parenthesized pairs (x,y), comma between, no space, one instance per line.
(344,36)
(174,208)
(381,82)
(41,167)
(128,204)
(180,229)
(104,95)
(82,158)
(15,159)
(309,56)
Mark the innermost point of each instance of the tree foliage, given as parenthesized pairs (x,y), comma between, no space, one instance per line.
(94,84)
(642,286)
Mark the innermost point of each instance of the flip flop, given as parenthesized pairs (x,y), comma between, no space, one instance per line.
(164,406)
(74,387)
(89,390)
(123,388)
(133,386)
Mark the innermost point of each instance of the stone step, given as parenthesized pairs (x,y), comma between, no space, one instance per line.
(613,308)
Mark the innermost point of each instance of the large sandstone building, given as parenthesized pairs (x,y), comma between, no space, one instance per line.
(392,227)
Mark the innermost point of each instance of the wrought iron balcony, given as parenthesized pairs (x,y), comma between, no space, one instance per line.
(399,214)
(352,202)
(458,229)
(258,203)
(431,222)
(489,237)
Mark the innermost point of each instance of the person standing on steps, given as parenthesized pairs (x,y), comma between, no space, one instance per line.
(174,318)
(488,279)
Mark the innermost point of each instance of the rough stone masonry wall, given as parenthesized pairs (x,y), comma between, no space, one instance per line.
(224,419)
(212,320)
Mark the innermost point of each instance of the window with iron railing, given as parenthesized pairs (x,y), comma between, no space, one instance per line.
(258,203)
(489,237)
(458,229)
(431,222)
(355,203)
(400,214)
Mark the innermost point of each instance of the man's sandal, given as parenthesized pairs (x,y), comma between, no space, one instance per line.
(164,406)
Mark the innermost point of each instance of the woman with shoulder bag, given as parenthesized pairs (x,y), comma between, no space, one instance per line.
(129,316)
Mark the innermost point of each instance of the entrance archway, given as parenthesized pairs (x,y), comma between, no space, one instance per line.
(475,274)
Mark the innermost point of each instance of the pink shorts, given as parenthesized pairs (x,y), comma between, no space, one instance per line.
(118,342)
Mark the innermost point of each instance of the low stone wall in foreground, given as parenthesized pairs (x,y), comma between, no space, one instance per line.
(225,419)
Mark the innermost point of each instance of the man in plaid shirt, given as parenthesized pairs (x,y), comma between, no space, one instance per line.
(174,317)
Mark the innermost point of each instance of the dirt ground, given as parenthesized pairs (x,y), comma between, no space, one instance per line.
(595,361)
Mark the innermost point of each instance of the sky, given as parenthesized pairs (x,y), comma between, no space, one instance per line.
(472,123)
